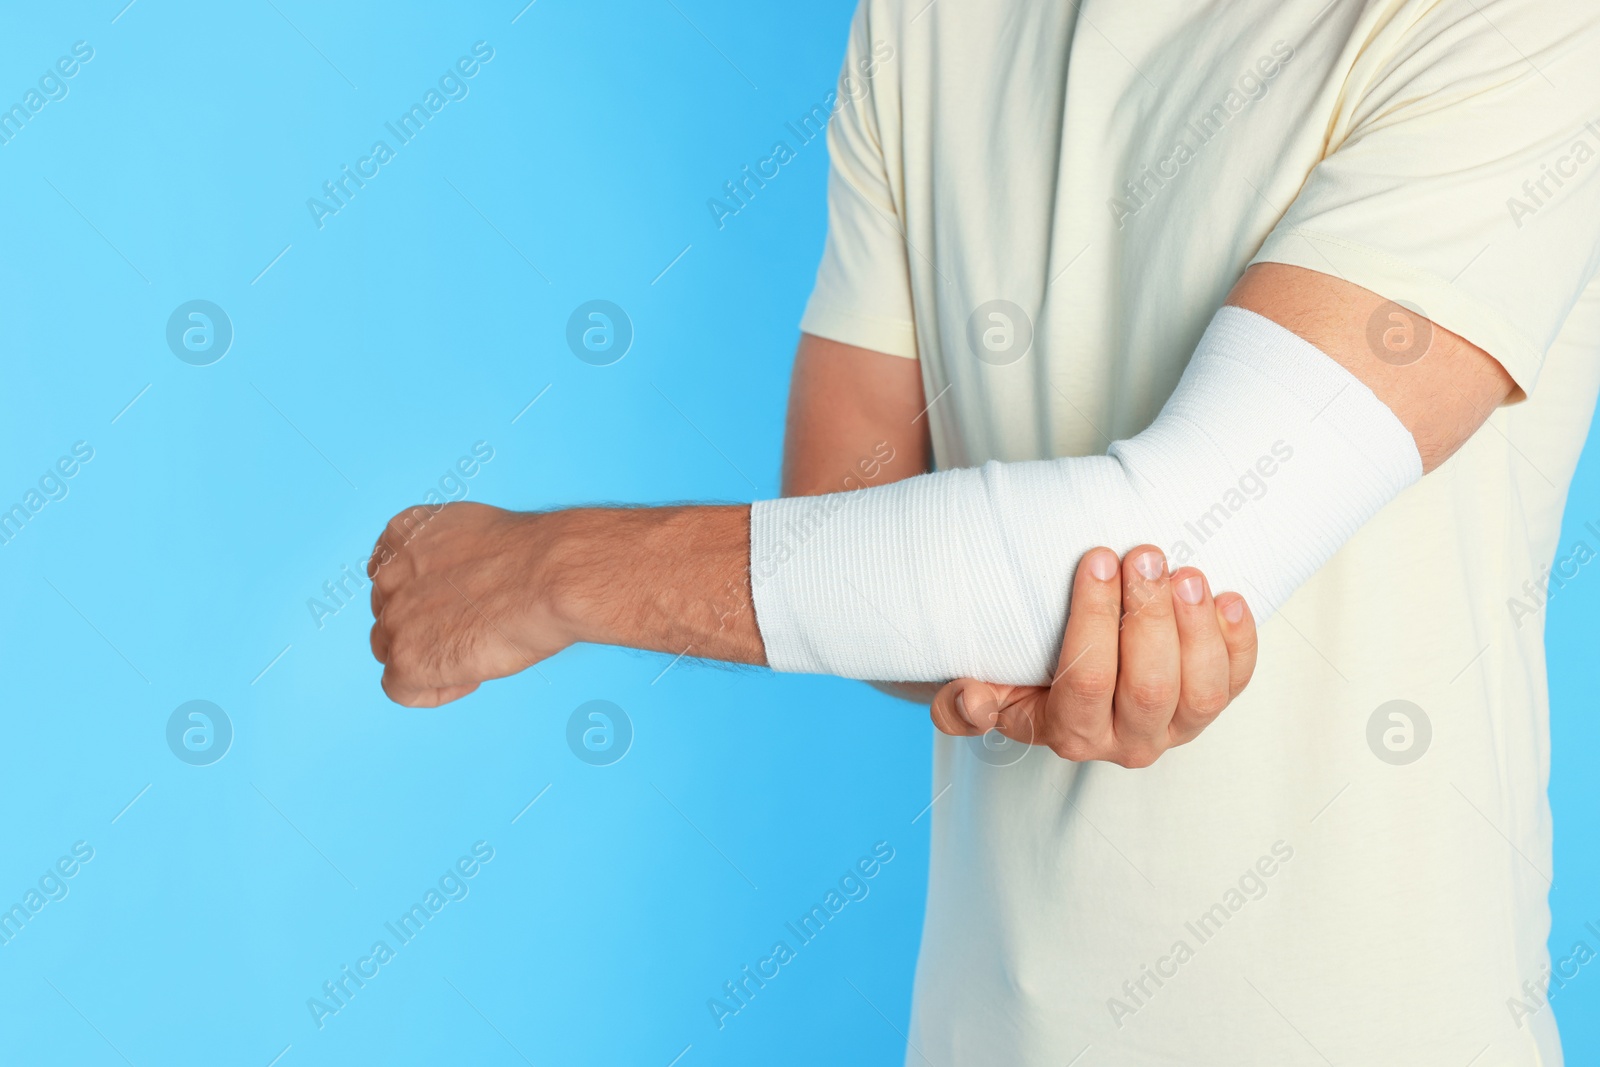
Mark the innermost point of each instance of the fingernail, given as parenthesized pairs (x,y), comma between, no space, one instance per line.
(1150,564)
(1190,590)
(1233,610)
(961,704)
(1103,565)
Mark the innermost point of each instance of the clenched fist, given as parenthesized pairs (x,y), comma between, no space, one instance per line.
(457,600)
(467,592)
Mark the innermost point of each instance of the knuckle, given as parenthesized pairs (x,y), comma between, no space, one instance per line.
(1143,607)
(1208,703)
(1103,600)
(401,657)
(1090,682)
(1075,749)
(1073,739)
(1152,692)
(405,651)
(1138,757)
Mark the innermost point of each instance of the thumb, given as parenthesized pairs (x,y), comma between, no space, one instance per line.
(965,707)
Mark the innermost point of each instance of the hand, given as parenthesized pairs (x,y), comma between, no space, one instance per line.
(458,598)
(1130,684)
(466,592)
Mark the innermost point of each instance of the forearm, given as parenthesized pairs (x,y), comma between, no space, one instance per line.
(672,579)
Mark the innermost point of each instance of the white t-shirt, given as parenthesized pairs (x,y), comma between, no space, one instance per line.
(1045,202)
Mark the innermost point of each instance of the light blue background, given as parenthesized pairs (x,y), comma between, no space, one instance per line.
(367,358)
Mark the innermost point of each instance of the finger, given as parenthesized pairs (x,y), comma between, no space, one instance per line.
(1078,715)
(425,697)
(407,677)
(376,597)
(383,550)
(946,717)
(402,694)
(414,685)
(976,703)
(1011,711)
(1239,635)
(1202,656)
(1147,664)
(380,572)
(433,698)
(1021,714)
(389,564)
(379,639)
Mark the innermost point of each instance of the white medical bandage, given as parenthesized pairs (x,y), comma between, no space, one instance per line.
(1268,456)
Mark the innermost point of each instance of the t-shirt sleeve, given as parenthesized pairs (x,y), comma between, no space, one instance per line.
(863,291)
(1463,175)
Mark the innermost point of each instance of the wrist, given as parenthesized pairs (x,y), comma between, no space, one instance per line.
(668,579)
(564,557)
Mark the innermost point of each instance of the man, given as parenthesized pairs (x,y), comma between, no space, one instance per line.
(1398,200)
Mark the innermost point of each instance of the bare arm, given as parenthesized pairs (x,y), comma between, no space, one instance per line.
(855,419)
(1440,386)
(481,593)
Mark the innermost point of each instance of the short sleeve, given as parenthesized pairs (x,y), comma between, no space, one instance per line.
(863,291)
(1463,176)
